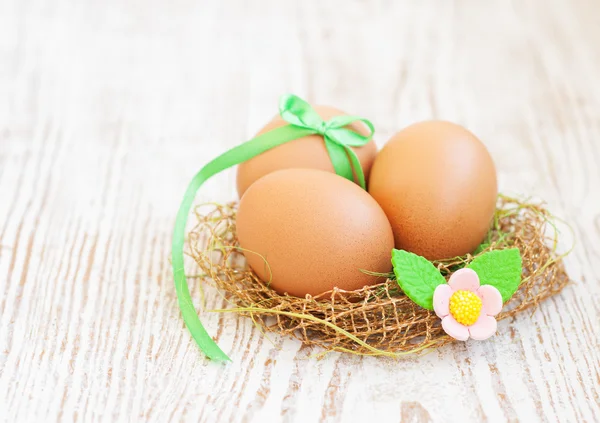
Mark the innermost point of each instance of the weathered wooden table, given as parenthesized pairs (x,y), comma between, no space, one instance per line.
(108,108)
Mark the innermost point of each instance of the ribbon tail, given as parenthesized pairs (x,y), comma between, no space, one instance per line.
(339,159)
(228,159)
(345,162)
(358,171)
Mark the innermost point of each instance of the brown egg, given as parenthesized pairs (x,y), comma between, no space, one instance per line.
(437,184)
(306,152)
(315,229)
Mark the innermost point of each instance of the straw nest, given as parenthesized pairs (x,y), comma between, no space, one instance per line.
(379,319)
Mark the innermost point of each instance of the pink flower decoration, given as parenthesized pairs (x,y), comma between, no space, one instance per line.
(466,308)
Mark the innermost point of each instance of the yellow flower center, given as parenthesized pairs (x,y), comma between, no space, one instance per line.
(465,307)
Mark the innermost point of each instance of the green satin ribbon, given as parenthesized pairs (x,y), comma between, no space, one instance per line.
(303,121)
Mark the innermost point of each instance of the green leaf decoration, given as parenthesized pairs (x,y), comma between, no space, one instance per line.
(501,269)
(417,277)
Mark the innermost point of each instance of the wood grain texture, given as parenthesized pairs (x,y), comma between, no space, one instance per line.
(108,108)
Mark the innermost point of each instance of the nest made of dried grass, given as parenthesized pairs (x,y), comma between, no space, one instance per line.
(379,319)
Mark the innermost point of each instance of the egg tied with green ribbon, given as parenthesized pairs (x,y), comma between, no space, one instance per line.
(325,147)
(303,121)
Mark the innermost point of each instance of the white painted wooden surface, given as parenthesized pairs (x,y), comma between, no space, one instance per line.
(108,108)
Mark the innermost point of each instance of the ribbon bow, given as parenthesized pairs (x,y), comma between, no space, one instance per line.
(338,138)
(303,121)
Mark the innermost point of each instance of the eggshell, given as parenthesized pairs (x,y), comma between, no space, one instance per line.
(315,229)
(437,184)
(307,152)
